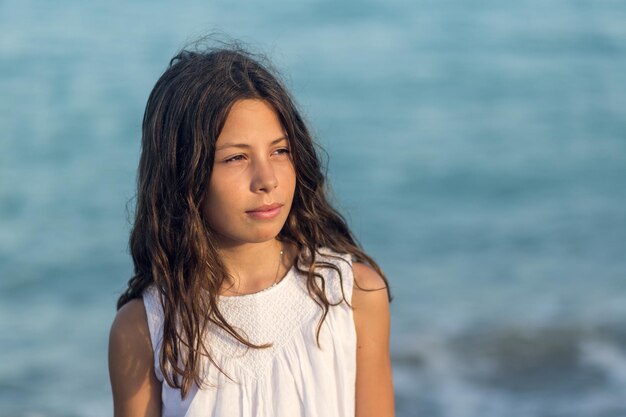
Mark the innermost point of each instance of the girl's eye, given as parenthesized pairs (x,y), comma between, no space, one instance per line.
(283,151)
(234,158)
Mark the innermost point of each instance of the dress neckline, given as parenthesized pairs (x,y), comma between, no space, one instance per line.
(263,292)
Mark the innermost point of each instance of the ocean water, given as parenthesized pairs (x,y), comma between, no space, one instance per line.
(477,148)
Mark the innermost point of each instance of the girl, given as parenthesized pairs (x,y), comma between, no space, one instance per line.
(250,295)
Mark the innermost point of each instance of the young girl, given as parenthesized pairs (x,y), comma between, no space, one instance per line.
(250,296)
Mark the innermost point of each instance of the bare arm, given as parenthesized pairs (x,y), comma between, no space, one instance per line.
(374,387)
(136,390)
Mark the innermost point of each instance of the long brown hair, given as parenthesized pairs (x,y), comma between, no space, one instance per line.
(171,244)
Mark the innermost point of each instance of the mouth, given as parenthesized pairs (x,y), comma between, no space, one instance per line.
(265,207)
(265,212)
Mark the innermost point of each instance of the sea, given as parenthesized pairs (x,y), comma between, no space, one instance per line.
(477,149)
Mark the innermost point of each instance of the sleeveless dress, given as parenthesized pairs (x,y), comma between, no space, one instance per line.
(292,378)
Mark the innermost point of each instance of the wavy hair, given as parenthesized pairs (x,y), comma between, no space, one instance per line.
(171,244)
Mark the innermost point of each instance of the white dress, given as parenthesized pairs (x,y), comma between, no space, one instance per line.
(294,377)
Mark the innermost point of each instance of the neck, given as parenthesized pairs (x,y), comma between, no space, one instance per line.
(253,266)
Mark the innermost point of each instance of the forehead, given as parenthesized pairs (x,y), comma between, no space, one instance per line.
(251,120)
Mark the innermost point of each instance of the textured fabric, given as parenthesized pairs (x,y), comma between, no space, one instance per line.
(292,378)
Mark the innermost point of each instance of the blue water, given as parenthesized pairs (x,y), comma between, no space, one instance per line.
(478,149)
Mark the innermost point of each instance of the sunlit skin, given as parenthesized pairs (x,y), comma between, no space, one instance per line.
(252,167)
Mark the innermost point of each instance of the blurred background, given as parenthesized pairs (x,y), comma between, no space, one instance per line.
(477,148)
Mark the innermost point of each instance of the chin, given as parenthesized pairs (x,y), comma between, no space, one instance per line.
(264,237)
(257,234)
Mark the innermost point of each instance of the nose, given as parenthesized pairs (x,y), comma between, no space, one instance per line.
(264,177)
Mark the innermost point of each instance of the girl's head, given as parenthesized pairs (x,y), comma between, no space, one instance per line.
(205,101)
(222,137)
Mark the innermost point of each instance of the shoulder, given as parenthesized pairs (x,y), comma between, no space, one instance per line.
(130,336)
(370,302)
(370,297)
(131,321)
(134,384)
(366,278)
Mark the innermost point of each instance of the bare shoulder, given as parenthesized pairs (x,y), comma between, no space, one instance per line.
(366,278)
(129,338)
(370,302)
(370,298)
(131,322)
(136,390)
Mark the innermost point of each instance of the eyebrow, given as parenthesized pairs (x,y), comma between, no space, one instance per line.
(245,145)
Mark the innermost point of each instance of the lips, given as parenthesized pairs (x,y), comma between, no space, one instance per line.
(265,207)
(265,212)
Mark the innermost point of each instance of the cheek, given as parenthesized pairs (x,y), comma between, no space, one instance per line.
(219,195)
(289,176)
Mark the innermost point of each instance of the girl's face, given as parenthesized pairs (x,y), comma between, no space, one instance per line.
(253,178)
